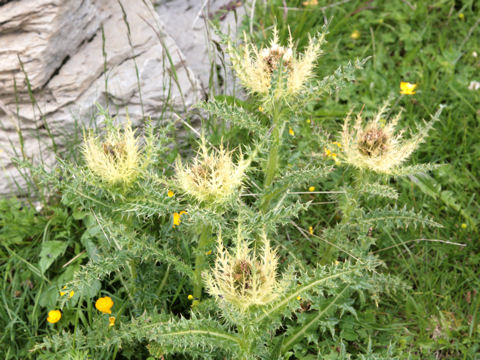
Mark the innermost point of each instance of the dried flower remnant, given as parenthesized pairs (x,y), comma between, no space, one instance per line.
(375,146)
(242,278)
(213,177)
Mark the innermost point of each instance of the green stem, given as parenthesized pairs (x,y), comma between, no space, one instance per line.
(272,161)
(203,242)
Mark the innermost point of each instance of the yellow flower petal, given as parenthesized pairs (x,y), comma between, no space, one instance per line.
(291,132)
(464,226)
(311,188)
(310,230)
(54,316)
(355,35)
(71,294)
(190,297)
(111,321)
(62,293)
(407,88)
(170,193)
(104,304)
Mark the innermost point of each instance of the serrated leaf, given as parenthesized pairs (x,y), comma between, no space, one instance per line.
(51,250)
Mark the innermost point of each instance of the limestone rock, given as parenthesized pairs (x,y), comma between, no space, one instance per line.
(59,44)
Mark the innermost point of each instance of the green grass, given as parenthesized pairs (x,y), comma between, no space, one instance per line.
(432,44)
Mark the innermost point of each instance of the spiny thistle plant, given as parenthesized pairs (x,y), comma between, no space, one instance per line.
(116,157)
(276,72)
(212,178)
(376,146)
(259,301)
(242,278)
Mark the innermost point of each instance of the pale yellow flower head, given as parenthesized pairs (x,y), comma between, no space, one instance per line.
(407,88)
(243,278)
(115,158)
(212,177)
(258,69)
(375,145)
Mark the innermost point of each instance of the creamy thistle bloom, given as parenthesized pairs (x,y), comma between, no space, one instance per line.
(375,145)
(213,177)
(242,277)
(115,158)
(258,69)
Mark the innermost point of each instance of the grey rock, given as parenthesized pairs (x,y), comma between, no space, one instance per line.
(59,45)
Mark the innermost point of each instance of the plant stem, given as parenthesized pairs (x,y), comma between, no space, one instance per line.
(272,162)
(203,242)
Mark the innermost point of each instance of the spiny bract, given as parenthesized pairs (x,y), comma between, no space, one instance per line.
(243,278)
(212,178)
(116,158)
(259,69)
(375,146)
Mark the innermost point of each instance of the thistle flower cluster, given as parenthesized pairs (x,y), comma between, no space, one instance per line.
(212,178)
(376,145)
(258,69)
(115,158)
(242,278)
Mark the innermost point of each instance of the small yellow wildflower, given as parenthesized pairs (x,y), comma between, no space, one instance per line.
(337,143)
(310,230)
(176,217)
(190,297)
(309,121)
(299,298)
(355,35)
(170,193)
(337,262)
(310,3)
(111,321)
(209,252)
(461,16)
(261,109)
(54,316)
(464,226)
(62,293)
(291,132)
(407,88)
(71,294)
(104,304)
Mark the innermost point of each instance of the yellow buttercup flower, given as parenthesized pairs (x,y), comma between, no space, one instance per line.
(299,298)
(54,316)
(291,132)
(464,226)
(104,304)
(407,88)
(111,321)
(62,293)
(71,294)
(355,35)
(170,193)
(310,230)
(190,297)
(311,188)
